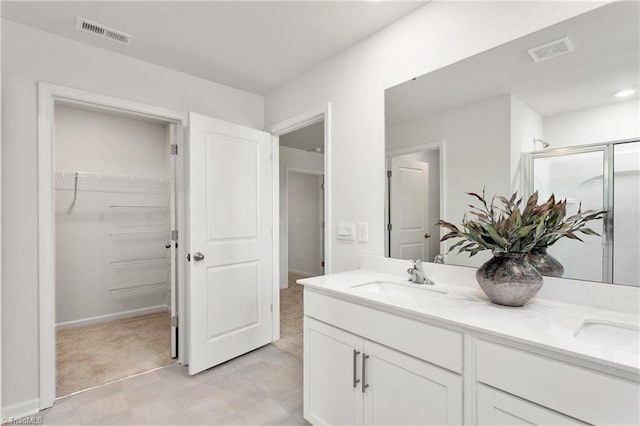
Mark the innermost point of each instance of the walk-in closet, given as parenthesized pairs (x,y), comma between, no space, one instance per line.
(114,250)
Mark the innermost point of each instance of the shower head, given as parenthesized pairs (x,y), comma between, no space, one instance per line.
(545,144)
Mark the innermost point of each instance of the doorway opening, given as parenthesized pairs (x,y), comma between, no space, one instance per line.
(414,202)
(114,252)
(302,225)
(80,190)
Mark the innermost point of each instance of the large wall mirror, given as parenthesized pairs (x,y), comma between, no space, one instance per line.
(556,111)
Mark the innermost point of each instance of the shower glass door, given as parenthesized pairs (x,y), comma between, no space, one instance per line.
(626,217)
(578,177)
(600,177)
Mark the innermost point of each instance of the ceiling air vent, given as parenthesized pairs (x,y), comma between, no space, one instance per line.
(102,31)
(551,50)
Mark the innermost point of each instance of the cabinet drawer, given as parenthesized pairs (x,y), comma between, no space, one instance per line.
(584,394)
(437,345)
(498,408)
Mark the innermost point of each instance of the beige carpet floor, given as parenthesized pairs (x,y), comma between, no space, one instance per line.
(291,313)
(100,353)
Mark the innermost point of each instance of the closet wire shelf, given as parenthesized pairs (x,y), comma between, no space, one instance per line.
(98,182)
(139,210)
(141,276)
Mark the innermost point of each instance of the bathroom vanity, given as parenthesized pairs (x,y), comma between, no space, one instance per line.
(381,350)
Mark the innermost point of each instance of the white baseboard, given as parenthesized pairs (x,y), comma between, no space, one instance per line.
(110,317)
(303,273)
(22,409)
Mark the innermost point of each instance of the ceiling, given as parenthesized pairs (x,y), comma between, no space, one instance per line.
(605,60)
(308,138)
(253,46)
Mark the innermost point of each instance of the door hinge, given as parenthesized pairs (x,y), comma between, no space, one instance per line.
(174,235)
(388,173)
(272,307)
(174,321)
(174,149)
(322,263)
(389,227)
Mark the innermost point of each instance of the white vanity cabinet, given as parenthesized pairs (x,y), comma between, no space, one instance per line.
(402,390)
(332,394)
(372,363)
(350,380)
(591,396)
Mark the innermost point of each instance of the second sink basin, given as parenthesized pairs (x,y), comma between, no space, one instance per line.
(612,334)
(398,290)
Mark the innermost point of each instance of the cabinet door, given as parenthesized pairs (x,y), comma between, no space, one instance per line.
(402,390)
(332,393)
(499,408)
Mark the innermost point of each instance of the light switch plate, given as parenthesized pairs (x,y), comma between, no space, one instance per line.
(363,232)
(346,231)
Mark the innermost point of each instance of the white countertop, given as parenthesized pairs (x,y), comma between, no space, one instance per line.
(543,323)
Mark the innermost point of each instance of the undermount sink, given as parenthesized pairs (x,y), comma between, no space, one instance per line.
(612,334)
(398,290)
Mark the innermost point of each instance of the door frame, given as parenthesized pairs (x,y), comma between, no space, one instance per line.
(429,146)
(286,209)
(311,116)
(48,95)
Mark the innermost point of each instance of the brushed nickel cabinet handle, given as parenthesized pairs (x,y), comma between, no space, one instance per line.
(355,374)
(365,357)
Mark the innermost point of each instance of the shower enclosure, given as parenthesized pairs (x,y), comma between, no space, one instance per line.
(603,176)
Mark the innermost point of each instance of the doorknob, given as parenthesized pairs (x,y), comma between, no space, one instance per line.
(198,256)
(427,235)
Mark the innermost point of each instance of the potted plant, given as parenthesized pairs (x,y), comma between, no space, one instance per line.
(558,227)
(511,234)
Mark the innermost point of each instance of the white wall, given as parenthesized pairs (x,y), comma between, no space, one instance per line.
(299,160)
(354,81)
(525,125)
(96,142)
(477,153)
(609,123)
(89,141)
(29,56)
(304,194)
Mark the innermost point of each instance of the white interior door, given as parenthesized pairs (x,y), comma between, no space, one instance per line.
(409,209)
(230,287)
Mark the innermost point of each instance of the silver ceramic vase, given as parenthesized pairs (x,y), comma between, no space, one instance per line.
(508,279)
(546,264)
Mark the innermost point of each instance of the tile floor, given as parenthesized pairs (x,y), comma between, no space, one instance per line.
(263,387)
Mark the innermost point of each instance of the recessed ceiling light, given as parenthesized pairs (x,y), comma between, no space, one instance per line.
(624,93)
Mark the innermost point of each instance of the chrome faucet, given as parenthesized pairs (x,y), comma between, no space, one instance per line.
(416,273)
